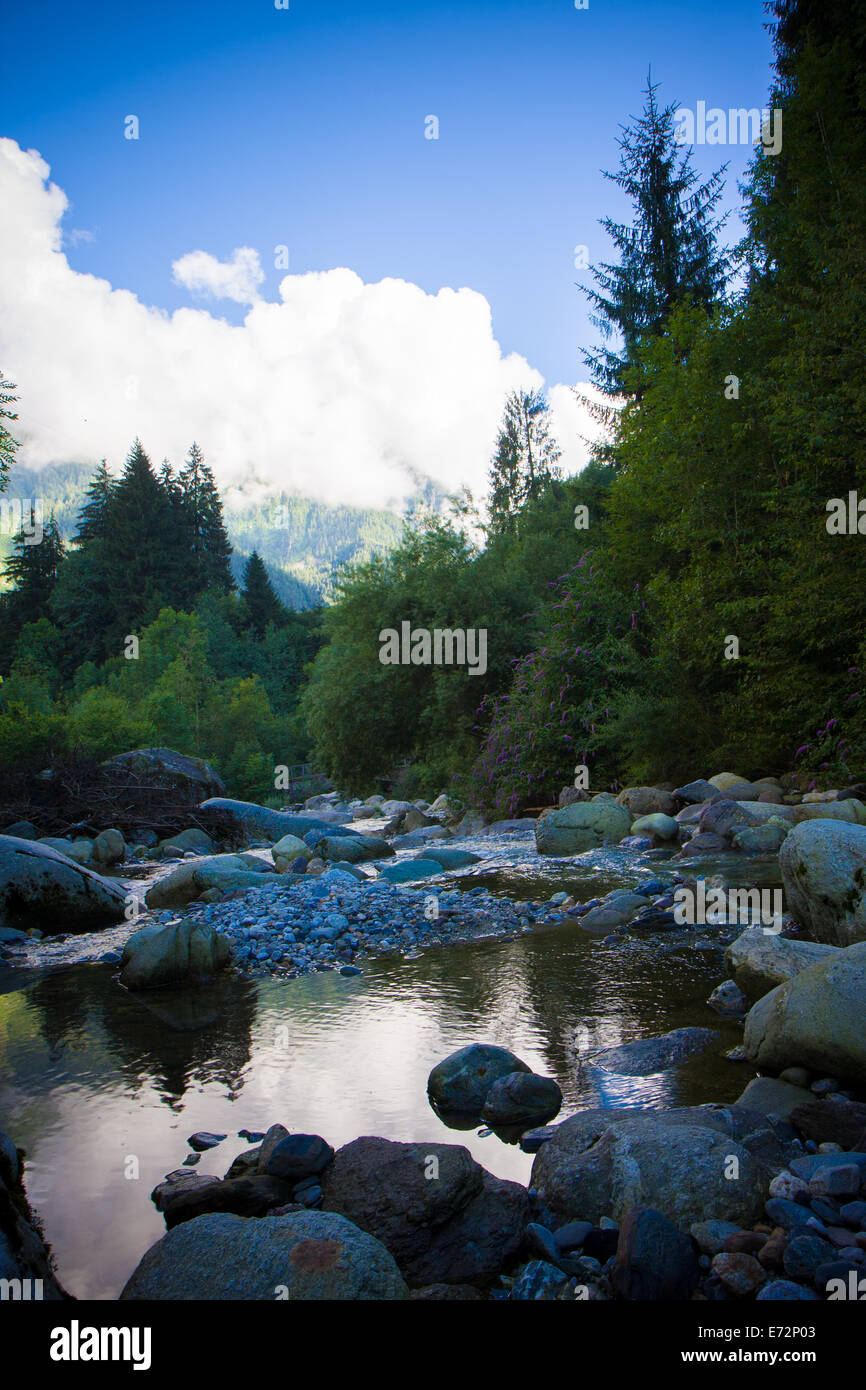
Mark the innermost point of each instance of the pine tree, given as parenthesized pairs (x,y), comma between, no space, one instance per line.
(669,254)
(260,603)
(93,517)
(525,461)
(206,536)
(142,549)
(8,445)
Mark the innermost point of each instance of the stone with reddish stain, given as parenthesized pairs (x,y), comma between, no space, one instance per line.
(302,1256)
(741,1274)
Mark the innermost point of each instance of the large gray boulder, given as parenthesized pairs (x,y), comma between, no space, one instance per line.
(759,960)
(582,826)
(164,767)
(247,821)
(850,809)
(823,865)
(39,887)
(179,953)
(684,1164)
(814,1020)
(310,1255)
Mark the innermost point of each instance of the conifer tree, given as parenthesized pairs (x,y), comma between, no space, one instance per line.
(93,517)
(207,541)
(525,461)
(260,602)
(669,254)
(31,570)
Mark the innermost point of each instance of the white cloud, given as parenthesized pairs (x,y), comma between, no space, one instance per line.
(238,279)
(337,390)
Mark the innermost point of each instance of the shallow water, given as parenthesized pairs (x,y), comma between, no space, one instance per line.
(93,1079)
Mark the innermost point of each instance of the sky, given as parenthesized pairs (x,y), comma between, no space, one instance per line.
(282,264)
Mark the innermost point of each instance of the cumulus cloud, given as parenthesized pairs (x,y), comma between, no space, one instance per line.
(238,279)
(339,390)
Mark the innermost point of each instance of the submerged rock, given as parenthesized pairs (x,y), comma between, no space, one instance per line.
(648,1055)
(460,1083)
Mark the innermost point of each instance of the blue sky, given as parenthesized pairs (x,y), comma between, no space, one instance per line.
(305,127)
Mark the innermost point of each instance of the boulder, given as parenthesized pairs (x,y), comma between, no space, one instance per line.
(352,850)
(762,839)
(814,1020)
(193,839)
(444,1219)
(724,817)
(163,767)
(851,810)
(771,1096)
(310,1255)
(186,883)
(460,1082)
(448,858)
(823,866)
(695,792)
(582,826)
(654,1259)
(298,1156)
(612,913)
(21,830)
(254,1194)
(40,887)
(601,1163)
(759,960)
(660,826)
(646,1056)
(646,801)
(704,843)
(247,821)
(723,781)
(287,850)
(179,953)
(109,847)
(832,1121)
(522,1098)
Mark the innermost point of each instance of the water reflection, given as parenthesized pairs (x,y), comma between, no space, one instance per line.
(92,1077)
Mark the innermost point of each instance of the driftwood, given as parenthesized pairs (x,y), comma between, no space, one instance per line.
(82,794)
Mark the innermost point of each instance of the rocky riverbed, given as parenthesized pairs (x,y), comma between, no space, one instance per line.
(328,889)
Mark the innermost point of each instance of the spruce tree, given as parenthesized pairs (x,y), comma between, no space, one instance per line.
(525,461)
(669,254)
(260,603)
(206,537)
(93,517)
(143,560)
